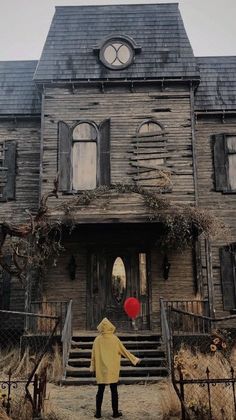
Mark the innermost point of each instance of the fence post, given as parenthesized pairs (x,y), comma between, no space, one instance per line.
(209,391)
(181,386)
(233,385)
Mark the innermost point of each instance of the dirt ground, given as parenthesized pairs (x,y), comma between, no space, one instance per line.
(137,402)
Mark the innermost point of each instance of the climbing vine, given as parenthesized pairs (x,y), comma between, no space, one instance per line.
(180,223)
(35,243)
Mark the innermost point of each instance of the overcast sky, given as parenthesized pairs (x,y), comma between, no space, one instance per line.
(210,24)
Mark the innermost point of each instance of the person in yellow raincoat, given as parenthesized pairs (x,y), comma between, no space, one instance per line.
(105,362)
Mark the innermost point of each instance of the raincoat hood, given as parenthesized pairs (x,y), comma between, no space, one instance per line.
(106,327)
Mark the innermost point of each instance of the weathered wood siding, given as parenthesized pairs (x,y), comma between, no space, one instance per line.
(26,134)
(222,205)
(179,285)
(171,107)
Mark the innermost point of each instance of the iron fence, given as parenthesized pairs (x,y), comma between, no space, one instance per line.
(207,401)
(10,386)
(203,363)
(22,362)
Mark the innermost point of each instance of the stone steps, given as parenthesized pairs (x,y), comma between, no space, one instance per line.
(146,346)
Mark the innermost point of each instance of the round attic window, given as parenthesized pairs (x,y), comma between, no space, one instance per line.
(116,54)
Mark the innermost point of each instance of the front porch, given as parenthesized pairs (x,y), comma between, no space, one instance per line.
(149,346)
(102,265)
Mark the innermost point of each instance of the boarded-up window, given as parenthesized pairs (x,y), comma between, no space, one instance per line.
(84,156)
(7,170)
(149,155)
(228,277)
(225,162)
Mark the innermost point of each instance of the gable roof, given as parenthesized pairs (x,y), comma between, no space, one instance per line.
(158,29)
(18,92)
(217,90)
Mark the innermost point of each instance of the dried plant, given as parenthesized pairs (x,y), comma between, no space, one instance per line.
(32,245)
(193,365)
(181,223)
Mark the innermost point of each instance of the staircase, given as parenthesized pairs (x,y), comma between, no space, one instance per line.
(145,346)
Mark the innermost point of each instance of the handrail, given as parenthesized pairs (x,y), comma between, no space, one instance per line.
(165,333)
(225,318)
(66,336)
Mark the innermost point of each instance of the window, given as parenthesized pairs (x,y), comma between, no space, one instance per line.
(149,155)
(225,162)
(118,280)
(228,276)
(7,170)
(116,54)
(84,155)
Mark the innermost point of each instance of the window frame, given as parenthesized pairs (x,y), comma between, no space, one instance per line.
(122,38)
(112,41)
(153,121)
(65,149)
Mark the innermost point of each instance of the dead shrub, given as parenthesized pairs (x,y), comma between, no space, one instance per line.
(193,365)
(53,363)
(170,404)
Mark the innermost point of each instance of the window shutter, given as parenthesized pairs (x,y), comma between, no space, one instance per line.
(3,173)
(10,163)
(104,144)
(6,285)
(64,148)
(227,278)
(8,171)
(220,162)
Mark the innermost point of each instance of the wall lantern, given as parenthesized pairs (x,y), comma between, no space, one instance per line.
(166,267)
(72,267)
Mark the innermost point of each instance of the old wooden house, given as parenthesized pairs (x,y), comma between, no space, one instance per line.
(119,99)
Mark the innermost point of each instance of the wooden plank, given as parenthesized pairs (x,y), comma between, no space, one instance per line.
(64,159)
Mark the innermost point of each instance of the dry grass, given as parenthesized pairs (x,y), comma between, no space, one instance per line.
(193,366)
(53,363)
(21,410)
(170,404)
(9,360)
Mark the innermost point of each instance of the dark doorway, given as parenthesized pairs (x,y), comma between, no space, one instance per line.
(116,273)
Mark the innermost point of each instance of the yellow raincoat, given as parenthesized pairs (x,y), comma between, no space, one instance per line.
(106,354)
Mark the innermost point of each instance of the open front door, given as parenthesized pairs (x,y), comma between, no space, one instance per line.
(114,275)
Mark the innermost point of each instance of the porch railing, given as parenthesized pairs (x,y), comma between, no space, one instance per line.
(165,333)
(66,336)
(181,319)
(51,308)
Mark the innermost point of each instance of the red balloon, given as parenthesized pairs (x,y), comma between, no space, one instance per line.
(132,307)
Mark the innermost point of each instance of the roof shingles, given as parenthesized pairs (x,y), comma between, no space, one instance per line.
(158,29)
(18,92)
(217,90)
